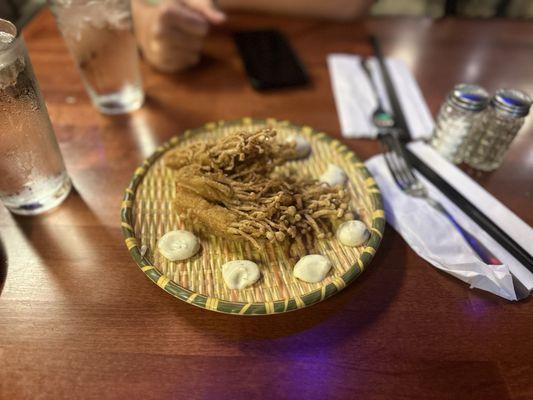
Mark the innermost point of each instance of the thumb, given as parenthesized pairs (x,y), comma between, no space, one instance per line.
(208,9)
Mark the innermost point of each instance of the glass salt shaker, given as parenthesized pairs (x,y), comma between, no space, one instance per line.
(489,142)
(459,113)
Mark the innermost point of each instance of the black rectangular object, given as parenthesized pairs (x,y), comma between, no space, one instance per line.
(269,60)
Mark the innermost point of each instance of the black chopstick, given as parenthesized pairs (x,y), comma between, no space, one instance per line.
(399,119)
(459,200)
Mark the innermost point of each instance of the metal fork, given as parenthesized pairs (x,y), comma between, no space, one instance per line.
(403,175)
(402,171)
(407,181)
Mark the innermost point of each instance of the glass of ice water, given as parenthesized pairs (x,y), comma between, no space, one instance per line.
(32,174)
(99,36)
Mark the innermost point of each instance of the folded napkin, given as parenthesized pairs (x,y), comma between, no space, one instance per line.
(433,237)
(355,99)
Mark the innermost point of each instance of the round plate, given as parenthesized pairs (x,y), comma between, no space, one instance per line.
(147,214)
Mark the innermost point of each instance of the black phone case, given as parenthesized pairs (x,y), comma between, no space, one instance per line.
(269,60)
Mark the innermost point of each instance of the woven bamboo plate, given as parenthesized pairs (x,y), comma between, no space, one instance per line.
(147,214)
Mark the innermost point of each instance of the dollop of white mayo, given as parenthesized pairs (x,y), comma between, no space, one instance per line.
(178,245)
(302,146)
(352,233)
(334,175)
(312,268)
(240,274)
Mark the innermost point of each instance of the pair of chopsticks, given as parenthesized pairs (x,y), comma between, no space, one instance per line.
(464,204)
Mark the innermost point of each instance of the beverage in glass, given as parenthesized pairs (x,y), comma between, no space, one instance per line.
(32,174)
(99,35)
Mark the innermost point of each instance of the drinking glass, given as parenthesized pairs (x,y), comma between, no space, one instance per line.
(32,173)
(99,36)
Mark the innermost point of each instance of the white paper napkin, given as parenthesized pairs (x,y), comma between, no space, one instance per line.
(355,100)
(433,237)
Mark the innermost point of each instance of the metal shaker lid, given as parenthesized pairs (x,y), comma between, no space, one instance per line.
(515,102)
(469,97)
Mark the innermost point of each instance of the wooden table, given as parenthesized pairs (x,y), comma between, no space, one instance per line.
(79,320)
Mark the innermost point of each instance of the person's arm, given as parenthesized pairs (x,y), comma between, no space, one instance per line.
(334,9)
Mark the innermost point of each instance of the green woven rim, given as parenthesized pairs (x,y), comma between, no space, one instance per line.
(242,308)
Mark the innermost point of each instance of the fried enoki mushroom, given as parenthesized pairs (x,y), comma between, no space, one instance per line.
(231,187)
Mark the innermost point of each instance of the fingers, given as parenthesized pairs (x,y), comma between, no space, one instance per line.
(168,57)
(171,34)
(179,16)
(171,37)
(207,9)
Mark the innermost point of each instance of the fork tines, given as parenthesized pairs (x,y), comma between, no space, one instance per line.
(397,162)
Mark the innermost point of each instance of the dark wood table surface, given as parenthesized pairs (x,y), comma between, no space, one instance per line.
(78,319)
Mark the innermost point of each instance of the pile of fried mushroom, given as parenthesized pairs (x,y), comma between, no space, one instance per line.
(233,188)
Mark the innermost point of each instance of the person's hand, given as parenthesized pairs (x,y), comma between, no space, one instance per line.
(171,33)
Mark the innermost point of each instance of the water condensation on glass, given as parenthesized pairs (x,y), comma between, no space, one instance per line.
(32,173)
(99,34)
(5,40)
(486,148)
(460,112)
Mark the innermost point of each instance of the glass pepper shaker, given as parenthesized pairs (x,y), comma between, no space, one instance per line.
(489,142)
(461,110)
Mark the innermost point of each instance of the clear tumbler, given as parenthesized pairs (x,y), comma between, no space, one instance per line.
(32,174)
(99,35)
